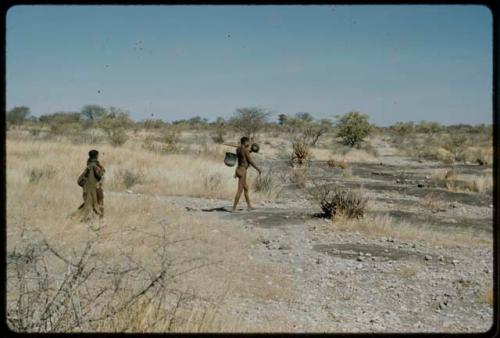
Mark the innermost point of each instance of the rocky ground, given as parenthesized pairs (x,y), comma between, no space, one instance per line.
(346,281)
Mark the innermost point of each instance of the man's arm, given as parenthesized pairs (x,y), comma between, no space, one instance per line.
(249,160)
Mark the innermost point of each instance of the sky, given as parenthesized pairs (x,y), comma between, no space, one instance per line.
(393,63)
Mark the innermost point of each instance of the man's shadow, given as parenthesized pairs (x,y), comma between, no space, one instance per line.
(219,209)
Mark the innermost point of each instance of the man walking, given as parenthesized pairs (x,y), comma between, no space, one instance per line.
(244,161)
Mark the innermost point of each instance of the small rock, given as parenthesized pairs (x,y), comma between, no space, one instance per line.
(359,259)
(420,185)
(130,192)
(361,253)
(441,258)
(318,261)
(299,270)
(428,257)
(413,245)
(491,205)
(455,262)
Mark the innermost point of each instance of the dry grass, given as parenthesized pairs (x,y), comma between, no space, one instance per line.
(487,296)
(355,155)
(471,183)
(299,177)
(173,174)
(377,226)
(454,181)
(46,201)
(432,202)
(406,271)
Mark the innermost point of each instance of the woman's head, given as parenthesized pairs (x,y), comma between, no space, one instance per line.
(93,154)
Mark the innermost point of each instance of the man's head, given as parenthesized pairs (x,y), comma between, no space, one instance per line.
(94,154)
(245,141)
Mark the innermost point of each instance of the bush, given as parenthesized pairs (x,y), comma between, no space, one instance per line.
(265,183)
(65,128)
(117,136)
(456,144)
(299,178)
(164,145)
(335,201)
(129,177)
(35,131)
(338,164)
(427,127)
(353,127)
(300,153)
(88,290)
(113,121)
(170,140)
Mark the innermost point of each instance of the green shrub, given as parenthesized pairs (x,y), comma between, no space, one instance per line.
(353,127)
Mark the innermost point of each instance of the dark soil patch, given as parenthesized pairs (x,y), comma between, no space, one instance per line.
(268,218)
(381,253)
(483,224)
(475,199)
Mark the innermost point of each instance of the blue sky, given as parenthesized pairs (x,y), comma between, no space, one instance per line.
(394,63)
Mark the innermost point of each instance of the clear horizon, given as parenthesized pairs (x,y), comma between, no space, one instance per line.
(393,63)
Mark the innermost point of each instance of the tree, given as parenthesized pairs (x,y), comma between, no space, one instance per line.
(60,118)
(219,130)
(304,127)
(306,117)
(353,127)
(403,128)
(427,127)
(93,112)
(114,124)
(249,121)
(17,115)
(282,119)
(315,129)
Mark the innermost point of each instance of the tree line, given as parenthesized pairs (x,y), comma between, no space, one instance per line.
(352,127)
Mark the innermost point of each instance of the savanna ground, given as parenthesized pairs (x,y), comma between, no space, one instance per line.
(169,257)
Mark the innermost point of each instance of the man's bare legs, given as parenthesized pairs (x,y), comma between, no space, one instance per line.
(242,187)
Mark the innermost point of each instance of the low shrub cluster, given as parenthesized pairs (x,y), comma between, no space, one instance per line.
(335,201)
